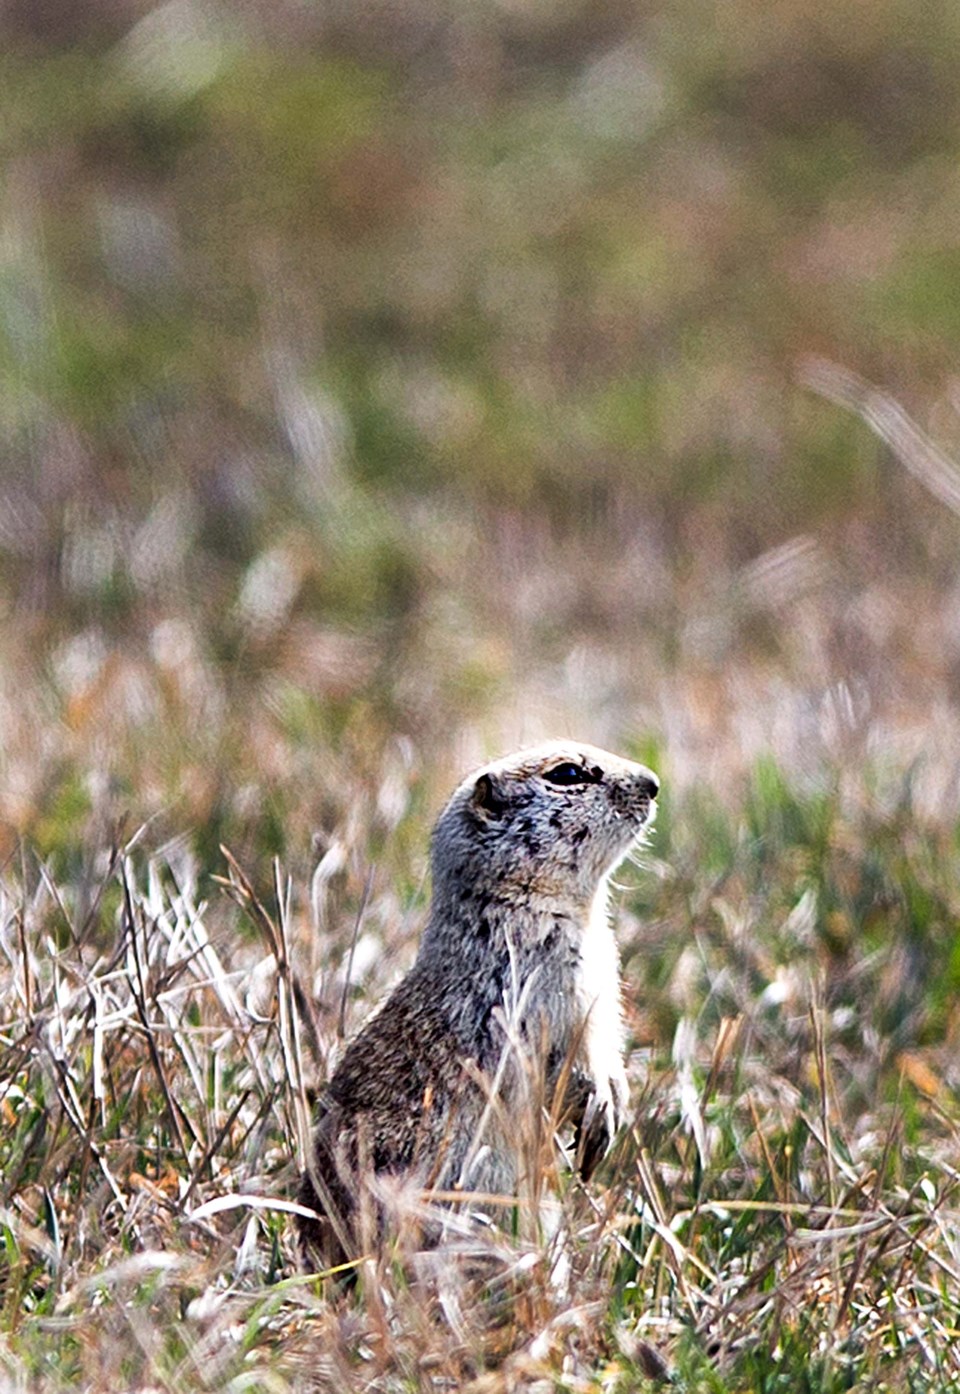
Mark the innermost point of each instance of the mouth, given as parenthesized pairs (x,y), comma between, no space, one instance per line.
(636,823)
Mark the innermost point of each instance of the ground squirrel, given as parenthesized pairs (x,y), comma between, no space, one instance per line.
(517,964)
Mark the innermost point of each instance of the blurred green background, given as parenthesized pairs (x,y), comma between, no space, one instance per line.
(384,385)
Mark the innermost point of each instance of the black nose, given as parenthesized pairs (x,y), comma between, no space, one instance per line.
(649,785)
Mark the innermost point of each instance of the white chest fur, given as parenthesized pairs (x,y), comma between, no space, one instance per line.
(599,990)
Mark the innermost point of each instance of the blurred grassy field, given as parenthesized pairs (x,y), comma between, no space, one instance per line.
(384,387)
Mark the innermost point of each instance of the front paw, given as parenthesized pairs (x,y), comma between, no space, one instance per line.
(602,1118)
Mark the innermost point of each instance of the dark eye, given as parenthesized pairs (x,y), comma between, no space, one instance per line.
(566,774)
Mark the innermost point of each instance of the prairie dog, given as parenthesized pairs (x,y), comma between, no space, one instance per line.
(517,964)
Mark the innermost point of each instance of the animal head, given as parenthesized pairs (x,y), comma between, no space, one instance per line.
(554,820)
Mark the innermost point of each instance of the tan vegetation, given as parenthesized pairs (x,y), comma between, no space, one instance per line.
(385,387)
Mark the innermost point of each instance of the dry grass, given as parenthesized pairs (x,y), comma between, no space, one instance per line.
(784,1208)
(383,396)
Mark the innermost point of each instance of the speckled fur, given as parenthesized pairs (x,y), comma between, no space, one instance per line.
(518,945)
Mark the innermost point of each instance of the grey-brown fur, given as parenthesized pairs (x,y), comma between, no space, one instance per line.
(518,941)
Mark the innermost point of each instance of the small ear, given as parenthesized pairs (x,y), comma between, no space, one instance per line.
(488,800)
